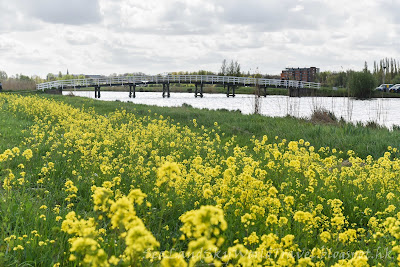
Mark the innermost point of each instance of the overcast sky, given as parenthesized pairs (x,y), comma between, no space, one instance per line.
(158,36)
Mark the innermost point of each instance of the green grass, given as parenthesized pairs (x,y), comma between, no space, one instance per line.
(342,136)
(17,210)
(12,130)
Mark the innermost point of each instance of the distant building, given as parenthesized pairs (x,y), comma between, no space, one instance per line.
(300,74)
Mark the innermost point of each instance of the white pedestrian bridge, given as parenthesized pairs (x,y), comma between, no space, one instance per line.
(230,82)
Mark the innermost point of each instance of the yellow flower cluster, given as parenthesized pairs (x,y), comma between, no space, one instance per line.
(87,243)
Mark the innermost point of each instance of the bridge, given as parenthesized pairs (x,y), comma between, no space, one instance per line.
(229,82)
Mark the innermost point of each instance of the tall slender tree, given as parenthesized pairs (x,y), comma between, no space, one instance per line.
(223,68)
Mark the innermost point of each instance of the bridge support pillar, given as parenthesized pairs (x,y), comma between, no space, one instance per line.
(97,92)
(196,91)
(132,90)
(228,93)
(261,90)
(294,91)
(165,90)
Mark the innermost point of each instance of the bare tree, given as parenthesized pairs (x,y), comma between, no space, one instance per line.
(223,68)
(233,69)
(3,75)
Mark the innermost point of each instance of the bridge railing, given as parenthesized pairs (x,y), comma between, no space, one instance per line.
(144,79)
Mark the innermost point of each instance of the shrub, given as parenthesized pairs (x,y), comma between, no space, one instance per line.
(396,127)
(186,105)
(373,125)
(322,115)
(361,84)
(17,85)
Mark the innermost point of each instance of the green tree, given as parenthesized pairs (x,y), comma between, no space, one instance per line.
(50,77)
(361,84)
(24,77)
(322,77)
(331,80)
(396,79)
(37,79)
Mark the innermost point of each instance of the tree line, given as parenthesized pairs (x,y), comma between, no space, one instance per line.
(24,82)
(387,68)
(18,81)
(231,68)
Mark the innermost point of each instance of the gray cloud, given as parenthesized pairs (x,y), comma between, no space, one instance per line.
(79,38)
(263,15)
(175,17)
(191,18)
(277,15)
(12,19)
(72,12)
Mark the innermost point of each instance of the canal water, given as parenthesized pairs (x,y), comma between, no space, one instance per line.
(384,111)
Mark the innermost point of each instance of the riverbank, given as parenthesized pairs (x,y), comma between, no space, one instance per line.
(371,140)
(365,139)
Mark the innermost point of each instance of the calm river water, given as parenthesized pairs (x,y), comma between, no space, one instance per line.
(386,111)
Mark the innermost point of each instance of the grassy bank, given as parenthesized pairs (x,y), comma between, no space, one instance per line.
(92,183)
(343,136)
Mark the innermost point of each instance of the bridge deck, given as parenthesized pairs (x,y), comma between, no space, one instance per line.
(158,79)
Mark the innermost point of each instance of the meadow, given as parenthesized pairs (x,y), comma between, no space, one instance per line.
(93,183)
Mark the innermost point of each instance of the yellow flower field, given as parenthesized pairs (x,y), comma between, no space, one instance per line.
(128,190)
